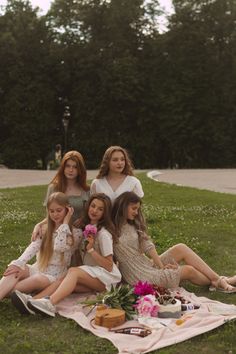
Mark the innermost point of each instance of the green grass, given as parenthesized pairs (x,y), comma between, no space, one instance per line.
(206,221)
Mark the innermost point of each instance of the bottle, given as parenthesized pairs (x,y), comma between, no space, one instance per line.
(189,307)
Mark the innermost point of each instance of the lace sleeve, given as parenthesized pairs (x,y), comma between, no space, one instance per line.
(78,237)
(28,254)
(62,238)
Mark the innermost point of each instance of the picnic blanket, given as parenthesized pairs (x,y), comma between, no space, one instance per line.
(210,315)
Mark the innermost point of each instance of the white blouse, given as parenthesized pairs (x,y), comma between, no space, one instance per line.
(130,184)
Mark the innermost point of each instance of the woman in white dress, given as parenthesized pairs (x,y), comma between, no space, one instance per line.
(116,175)
(53,251)
(98,271)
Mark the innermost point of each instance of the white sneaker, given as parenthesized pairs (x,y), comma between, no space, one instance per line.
(20,300)
(42,306)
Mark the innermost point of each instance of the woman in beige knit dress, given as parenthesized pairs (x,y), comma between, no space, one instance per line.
(134,246)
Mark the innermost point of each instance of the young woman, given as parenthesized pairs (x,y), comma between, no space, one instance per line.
(99,271)
(53,250)
(71,179)
(116,175)
(164,270)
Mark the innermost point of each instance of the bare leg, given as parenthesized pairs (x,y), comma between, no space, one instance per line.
(75,276)
(49,290)
(193,275)
(30,284)
(8,283)
(181,252)
(196,270)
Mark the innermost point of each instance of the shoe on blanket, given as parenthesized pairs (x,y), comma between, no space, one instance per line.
(222,286)
(42,306)
(20,301)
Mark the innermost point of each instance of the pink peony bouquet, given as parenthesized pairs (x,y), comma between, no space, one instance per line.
(90,230)
(147,306)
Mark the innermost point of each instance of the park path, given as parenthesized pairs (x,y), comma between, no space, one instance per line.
(218,180)
(23,178)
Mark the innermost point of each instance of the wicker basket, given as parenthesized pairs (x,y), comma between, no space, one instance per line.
(109,317)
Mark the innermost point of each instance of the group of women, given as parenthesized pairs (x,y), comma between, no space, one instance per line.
(115,247)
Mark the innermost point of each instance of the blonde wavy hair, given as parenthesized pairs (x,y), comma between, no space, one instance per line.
(46,249)
(104,167)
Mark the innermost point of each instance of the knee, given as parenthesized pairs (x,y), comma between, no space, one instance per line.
(179,247)
(72,270)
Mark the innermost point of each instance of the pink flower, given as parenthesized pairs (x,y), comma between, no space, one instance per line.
(147,306)
(90,230)
(143,288)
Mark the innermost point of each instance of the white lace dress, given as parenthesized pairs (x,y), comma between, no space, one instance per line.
(135,266)
(61,257)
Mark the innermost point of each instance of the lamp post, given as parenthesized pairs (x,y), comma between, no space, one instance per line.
(65,122)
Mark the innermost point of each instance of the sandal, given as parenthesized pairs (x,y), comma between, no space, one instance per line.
(219,285)
(233,280)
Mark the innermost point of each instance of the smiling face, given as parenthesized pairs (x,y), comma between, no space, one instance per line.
(117,162)
(95,211)
(71,170)
(57,213)
(132,210)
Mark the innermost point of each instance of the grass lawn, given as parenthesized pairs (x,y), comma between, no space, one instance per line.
(205,221)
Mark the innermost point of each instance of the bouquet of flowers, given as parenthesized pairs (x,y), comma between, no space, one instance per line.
(120,297)
(89,230)
(143,299)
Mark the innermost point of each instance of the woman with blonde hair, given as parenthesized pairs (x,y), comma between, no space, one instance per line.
(116,174)
(53,252)
(71,179)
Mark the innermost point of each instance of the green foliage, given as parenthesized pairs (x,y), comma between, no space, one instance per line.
(126,82)
(119,297)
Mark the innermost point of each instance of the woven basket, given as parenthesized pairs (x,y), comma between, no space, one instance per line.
(109,317)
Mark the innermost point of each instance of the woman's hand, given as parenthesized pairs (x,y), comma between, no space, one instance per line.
(37,232)
(170,266)
(90,242)
(13,269)
(69,214)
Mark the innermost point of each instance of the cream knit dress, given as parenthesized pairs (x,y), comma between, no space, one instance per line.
(135,266)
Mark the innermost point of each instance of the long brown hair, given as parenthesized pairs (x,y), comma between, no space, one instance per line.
(105,221)
(59,181)
(46,249)
(119,215)
(104,167)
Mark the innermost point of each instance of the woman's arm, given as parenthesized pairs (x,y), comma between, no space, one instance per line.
(64,239)
(152,253)
(102,261)
(93,187)
(37,231)
(27,255)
